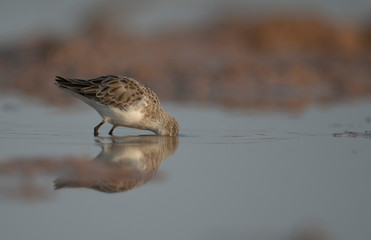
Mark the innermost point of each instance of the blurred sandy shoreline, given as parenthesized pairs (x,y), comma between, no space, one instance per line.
(276,62)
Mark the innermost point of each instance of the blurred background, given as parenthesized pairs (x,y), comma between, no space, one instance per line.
(271,54)
(235,174)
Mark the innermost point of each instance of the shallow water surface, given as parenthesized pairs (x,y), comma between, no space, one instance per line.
(229,175)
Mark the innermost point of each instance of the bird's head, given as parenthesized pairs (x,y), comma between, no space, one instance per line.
(168,127)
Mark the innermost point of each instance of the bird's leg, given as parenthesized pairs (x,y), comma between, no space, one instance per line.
(111,131)
(98,126)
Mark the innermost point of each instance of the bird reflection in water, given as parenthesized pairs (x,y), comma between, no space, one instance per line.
(123,164)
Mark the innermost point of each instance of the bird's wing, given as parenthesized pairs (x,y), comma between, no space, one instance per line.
(120,92)
(115,91)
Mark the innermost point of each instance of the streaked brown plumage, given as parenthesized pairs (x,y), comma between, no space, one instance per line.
(122,101)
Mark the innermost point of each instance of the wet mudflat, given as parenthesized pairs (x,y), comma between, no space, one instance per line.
(229,175)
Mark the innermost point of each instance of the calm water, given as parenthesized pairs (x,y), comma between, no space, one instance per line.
(230,175)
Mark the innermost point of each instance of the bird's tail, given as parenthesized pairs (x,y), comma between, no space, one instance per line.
(74,85)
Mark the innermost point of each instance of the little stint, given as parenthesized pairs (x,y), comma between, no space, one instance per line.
(122,101)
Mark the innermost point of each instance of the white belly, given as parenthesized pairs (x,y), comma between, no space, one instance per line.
(130,118)
(118,117)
